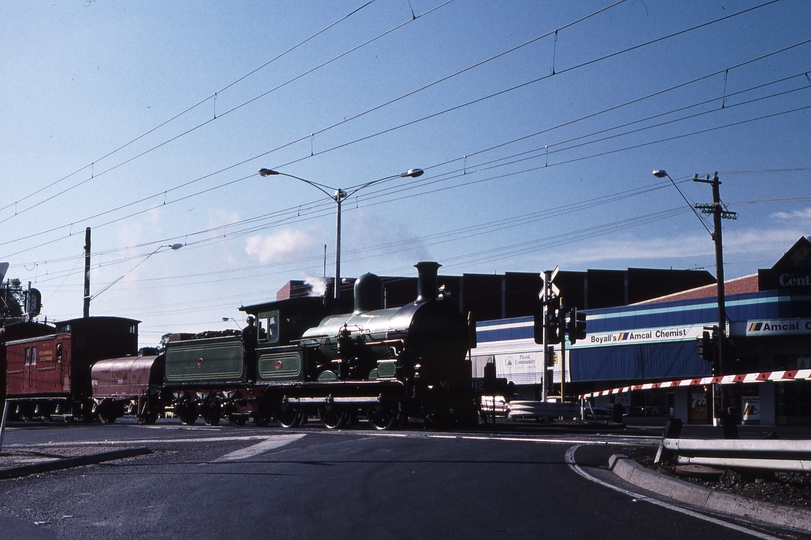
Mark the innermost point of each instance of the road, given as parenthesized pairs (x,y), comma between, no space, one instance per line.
(229,482)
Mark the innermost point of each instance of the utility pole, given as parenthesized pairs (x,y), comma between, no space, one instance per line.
(86,311)
(718,212)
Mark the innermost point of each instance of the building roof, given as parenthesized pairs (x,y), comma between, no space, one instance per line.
(741,285)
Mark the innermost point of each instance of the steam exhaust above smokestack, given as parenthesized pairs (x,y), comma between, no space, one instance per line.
(426,281)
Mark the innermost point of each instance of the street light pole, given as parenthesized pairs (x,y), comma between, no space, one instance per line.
(338,196)
(718,212)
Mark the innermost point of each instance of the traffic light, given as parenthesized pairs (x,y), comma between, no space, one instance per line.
(577,326)
(539,322)
(554,321)
(706,347)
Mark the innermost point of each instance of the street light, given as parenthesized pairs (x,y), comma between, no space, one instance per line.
(338,195)
(173,247)
(718,212)
(658,173)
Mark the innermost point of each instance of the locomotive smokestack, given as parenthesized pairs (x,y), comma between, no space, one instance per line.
(426,281)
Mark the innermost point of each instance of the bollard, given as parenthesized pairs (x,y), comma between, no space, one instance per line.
(3,425)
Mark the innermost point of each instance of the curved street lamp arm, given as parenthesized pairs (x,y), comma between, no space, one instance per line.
(321,187)
(174,247)
(661,174)
(410,173)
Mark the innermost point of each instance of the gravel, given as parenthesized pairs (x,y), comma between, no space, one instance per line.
(788,488)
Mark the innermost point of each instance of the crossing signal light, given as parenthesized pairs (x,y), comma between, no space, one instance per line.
(539,322)
(577,326)
(554,321)
(706,347)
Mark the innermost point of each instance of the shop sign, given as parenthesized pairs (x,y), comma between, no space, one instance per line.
(778,327)
(647,335)
(520,368)
(699,410)
(750,405)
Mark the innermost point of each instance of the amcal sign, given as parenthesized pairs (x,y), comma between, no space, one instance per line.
(778,327)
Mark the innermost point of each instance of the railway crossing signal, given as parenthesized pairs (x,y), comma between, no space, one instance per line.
(577,326)
(554,320)
(705,347)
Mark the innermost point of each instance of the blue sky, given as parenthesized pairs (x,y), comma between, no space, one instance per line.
(537,123)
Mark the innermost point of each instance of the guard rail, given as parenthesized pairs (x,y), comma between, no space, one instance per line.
(765,454)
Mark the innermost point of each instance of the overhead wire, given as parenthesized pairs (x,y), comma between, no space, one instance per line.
(472,153)
(176,116)
(243,178)
(163,193)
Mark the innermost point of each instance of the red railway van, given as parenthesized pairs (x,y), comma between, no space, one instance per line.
(49,376)
(121,385)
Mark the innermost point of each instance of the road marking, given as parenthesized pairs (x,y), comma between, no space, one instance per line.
(127,442)
(270,443)
(639,497)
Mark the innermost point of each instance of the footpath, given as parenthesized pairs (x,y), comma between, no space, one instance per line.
(17,461)
(713,500)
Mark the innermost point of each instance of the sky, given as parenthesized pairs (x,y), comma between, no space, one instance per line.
(537,124)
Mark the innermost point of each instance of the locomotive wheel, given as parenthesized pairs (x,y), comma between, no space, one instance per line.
(142,414)
(146,419)
(288,416)
(333,417)
(107,416)
(188,415)
(212,414)
(238,420)
(382,416)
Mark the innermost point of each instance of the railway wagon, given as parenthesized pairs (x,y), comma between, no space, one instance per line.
(49,376)
(12,332)
(128,385)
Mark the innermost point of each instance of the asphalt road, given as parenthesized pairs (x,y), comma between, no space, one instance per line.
(241,483)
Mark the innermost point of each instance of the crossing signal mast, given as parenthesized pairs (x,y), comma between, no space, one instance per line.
(552,323)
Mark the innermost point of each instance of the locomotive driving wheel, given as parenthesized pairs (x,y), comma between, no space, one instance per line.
(382,415)
(333,417)
(288,415)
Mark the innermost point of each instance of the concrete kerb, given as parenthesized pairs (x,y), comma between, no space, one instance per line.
(69,462)
(708,499)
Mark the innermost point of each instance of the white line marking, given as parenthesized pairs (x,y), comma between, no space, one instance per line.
(270,443)
(639,497)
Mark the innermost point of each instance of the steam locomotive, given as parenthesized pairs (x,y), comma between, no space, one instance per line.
(310,358)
